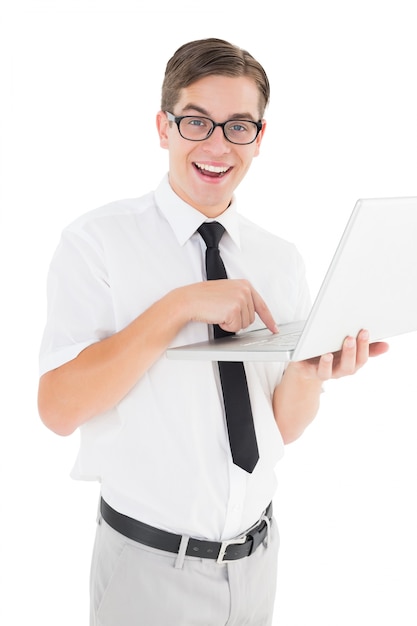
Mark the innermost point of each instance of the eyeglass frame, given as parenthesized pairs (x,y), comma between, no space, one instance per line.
(178,118)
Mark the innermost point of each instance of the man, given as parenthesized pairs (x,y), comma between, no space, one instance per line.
(186,534)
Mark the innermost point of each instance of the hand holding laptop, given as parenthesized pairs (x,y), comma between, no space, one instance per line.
(297,397)
(347,361)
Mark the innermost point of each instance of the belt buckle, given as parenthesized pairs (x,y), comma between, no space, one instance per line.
(225,545)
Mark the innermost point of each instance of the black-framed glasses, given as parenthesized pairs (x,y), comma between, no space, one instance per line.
(196,128)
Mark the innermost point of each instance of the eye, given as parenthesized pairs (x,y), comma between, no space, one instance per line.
(238,127)
(199,122)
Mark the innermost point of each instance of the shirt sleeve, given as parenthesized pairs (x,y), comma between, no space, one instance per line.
(79,302)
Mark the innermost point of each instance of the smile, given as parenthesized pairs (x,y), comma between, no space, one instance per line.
(212,170)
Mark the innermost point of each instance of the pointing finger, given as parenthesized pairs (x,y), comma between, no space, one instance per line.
(264,312)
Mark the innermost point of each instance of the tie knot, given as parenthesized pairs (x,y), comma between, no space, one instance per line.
(211,232)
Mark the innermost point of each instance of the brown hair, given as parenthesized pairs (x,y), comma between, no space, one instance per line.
(208,57)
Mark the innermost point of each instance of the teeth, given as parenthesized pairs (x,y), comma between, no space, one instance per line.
(212,168)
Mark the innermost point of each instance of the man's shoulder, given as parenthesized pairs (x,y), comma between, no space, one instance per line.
(112,213)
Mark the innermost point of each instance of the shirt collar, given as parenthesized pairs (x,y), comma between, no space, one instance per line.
(185,220)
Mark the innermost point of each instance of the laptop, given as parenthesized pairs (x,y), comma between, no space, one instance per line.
(371,283)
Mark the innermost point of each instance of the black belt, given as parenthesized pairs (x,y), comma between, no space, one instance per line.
(222,551)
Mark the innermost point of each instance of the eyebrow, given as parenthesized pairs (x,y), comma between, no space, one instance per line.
(236,116)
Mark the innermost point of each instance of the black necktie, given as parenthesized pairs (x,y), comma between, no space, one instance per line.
(237,406)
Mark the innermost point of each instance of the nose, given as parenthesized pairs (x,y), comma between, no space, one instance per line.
(217,142)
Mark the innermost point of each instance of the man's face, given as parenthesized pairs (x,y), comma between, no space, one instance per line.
(206,173)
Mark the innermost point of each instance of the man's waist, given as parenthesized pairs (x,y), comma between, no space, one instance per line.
(192,511)
(222,551)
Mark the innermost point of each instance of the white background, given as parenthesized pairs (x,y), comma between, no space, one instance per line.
(81,84)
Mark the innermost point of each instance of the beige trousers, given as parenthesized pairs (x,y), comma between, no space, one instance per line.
(133,585)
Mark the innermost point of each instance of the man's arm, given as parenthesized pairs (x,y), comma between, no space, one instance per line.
(297,398)
(102,374)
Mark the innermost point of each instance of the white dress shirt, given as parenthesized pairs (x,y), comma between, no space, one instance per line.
(162,454)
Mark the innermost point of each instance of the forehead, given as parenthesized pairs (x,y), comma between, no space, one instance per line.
(221,97)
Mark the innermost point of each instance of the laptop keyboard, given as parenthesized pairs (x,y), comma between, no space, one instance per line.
(284,341)
(287,341)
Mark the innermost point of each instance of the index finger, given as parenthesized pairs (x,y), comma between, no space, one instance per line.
(263,311)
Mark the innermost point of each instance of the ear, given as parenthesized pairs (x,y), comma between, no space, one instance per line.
(162,125)
(259,138)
